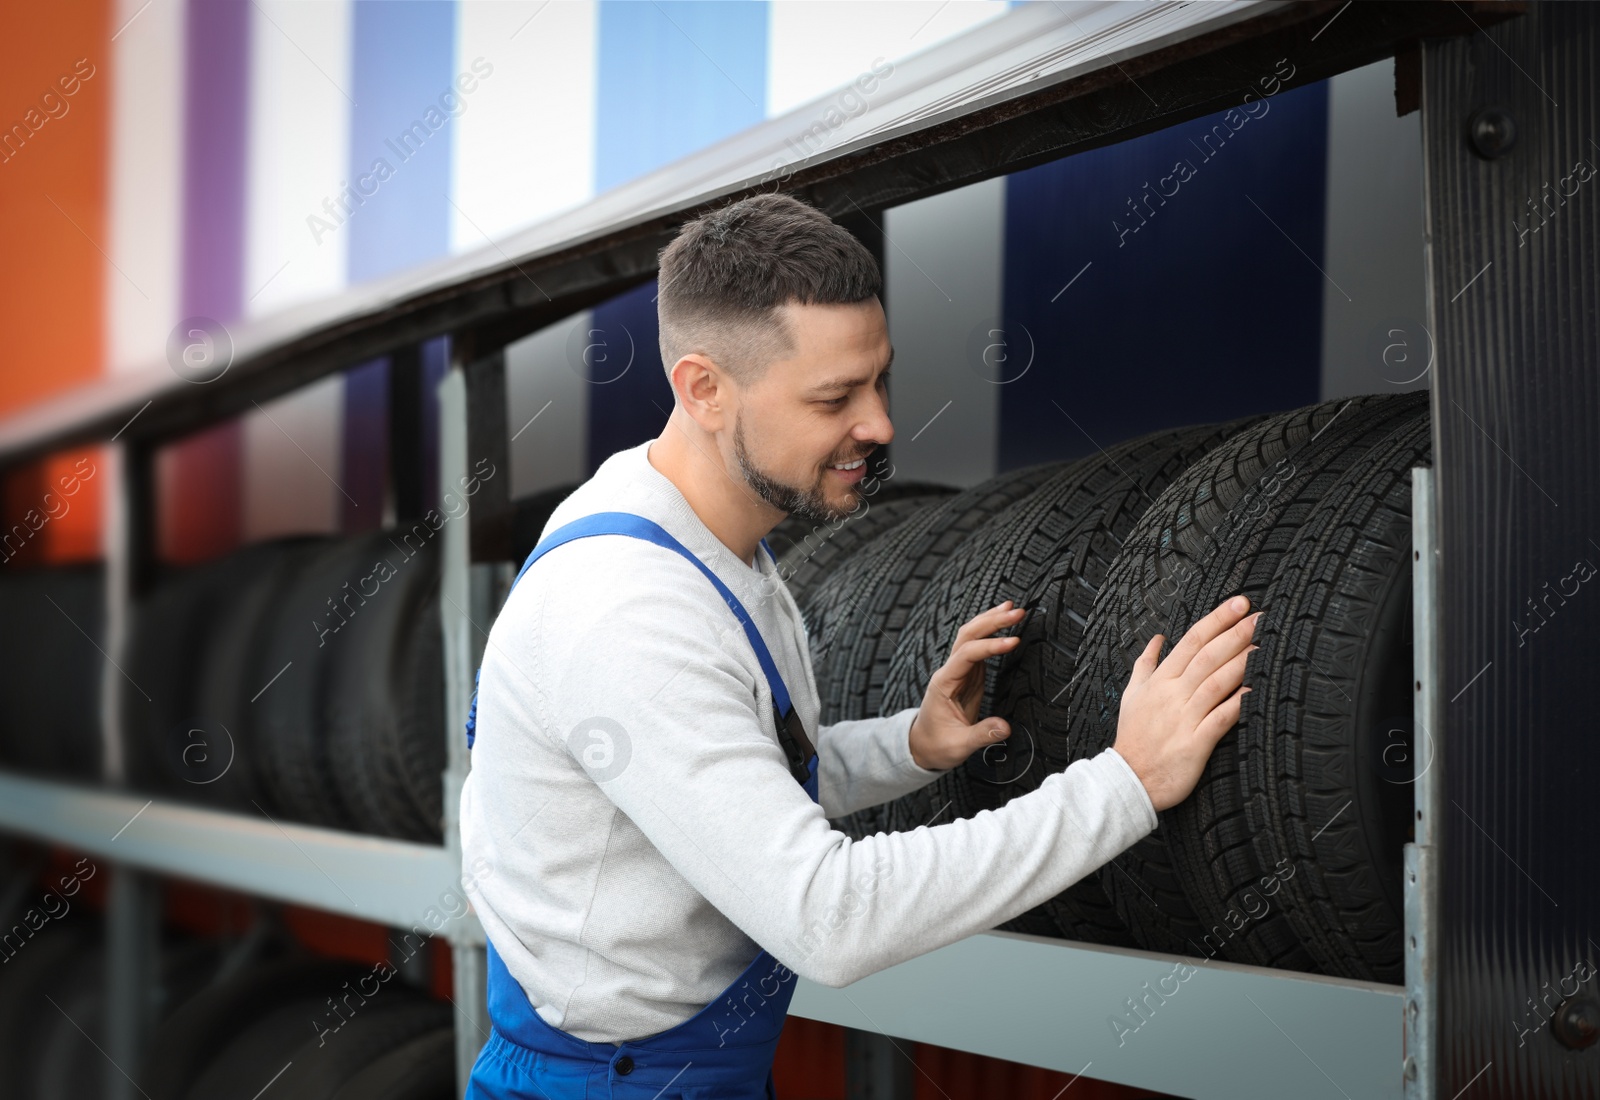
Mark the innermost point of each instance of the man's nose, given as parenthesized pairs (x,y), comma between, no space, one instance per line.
(878,427)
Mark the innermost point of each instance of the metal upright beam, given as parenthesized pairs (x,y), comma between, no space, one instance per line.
(457,620)
(1511,121)
(133,905)
(1422,855)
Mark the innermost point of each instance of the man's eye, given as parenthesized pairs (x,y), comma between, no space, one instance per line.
(837,402)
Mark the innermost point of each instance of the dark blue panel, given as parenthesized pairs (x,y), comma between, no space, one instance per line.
(364,453)
(629,398)
(1195,308)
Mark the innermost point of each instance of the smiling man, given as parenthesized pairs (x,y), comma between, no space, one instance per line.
(650,790)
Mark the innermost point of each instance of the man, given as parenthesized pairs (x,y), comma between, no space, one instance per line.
(648,802)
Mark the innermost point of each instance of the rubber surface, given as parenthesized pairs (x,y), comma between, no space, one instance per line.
(1160,582)
(302,1048)
(1329,754)
(308,626)
(1208,837)
(422,1069)
(174,747)
(373,701)
(230,676)
(50,672)
(191,1039)
(854,616)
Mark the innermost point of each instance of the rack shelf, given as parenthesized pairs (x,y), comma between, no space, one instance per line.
(1228,1032)
(392,882)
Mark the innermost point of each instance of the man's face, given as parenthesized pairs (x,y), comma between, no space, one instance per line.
(827,403)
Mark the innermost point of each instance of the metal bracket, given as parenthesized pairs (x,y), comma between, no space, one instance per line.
(1421,857)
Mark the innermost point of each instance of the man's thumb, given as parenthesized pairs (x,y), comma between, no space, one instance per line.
(993,729)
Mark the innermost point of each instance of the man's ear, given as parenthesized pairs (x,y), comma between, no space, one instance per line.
(702,389)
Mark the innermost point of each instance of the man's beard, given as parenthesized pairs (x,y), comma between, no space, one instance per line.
(809,504)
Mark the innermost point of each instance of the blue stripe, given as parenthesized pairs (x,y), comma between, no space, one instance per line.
(403,61)
(673,78)
(403,58)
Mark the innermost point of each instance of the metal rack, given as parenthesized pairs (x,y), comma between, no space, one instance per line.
(1035,85)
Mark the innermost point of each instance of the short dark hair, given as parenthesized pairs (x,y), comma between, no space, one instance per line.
(724,276)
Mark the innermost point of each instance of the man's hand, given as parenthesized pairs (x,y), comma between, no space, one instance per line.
(1172,716)
(946,730)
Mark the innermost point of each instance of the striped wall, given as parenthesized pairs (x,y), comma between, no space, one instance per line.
(238,147)
(300,63)
(54,99)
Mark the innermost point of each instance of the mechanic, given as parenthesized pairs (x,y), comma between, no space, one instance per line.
(650,789)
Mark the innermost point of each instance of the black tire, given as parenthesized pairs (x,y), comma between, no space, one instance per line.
(50,672)
(190,1039)
(1161,582)
(308,631)
(422,1069)
(323,1066)
(421,728)
(1209,842)
(809,550)
(1327,786)
(867,604)
(1048,553)
(175,748)
(367,690)
(73,1006)
(230,676)
(302,1046)
(877,669)
(854,616)
(866,611)
(67,1063)
(33,969)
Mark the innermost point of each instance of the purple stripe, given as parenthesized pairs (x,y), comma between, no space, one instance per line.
(215,116)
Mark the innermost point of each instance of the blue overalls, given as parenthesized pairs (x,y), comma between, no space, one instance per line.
(722,1052)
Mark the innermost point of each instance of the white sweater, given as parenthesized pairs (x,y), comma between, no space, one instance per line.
(633,828)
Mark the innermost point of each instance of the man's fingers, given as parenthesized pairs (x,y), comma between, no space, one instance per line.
(988,731)
(1198,636)
(1221,719)
(1220,684)
(985,624)
(1147,661)
(1219,651)
(968,654)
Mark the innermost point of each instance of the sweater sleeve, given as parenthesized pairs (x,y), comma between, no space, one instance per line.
(865,762)
(656,702)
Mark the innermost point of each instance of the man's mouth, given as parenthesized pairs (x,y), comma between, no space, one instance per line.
(849,465)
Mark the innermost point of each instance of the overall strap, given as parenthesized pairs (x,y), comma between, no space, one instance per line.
(627,523)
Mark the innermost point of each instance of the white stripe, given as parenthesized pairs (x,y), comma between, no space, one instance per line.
(146,176)
(299,150)
(524,146)
(814,49)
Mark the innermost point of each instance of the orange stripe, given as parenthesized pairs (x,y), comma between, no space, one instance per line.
(53,224)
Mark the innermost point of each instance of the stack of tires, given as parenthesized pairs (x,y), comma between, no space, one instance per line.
(301,678)
(51,669)
(312,1028)
(1288,854)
